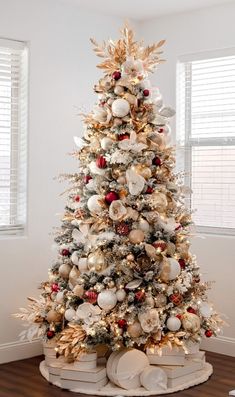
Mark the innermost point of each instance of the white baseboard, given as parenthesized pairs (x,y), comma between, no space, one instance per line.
(19,350)
(221,344)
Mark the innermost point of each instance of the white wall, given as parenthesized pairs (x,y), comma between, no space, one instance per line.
(207,29)
(62,75)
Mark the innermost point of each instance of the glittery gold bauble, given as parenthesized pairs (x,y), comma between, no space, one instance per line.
(96,261)
(160,300)
(134,330)
(160,201)
(78,290)
(130,257)
(191,322)
(170,248)
(53,316)
(136,236)
(142,170)
(64,270)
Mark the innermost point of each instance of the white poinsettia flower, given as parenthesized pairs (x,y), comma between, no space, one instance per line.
(84,236)
(117,210)
(135,182)
(133,67)
(149,320)
(131,144)
(168,225)
(88,313)
(102,114)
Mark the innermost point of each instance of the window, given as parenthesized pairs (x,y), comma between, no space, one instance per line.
(13,136)
(206,130)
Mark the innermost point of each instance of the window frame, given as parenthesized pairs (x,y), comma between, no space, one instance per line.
(21,139)
(185,140)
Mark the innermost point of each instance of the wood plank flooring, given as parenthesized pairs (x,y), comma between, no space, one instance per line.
(22,379)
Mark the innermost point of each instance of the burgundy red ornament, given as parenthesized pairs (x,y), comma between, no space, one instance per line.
(123,137)
(117,75)
(77,198)
(122,323)
(160,245)
(140,295)
(86,179)
(157,161)
(149,190)
(191,310)
(123,229)
(146,92)
(208,333)
(110,197)
(182,263)
(91,296)
(50,334)
(176,298)
(101,162)
(55,287)
(65,252)
(160,130)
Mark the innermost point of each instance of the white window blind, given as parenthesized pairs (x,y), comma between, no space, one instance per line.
(206,130)
(13,135)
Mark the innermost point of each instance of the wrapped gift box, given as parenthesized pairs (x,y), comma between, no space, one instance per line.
(168,356)
(50,360)
(92,375)
(49,349)
(189,367)
(76,385)
(153,378)
(54,371)
(200,356)
(175,382)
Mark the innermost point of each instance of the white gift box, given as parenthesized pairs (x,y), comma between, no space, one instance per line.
(189,367)
(91,356)
(84,365)
(166,351)
(55,368)
(155,359)
(199,356)
(153,378)
(175,382)
(77,386)
(92,375)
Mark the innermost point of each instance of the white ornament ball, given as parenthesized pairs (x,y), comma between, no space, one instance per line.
(175,268)
(82,265)
(69,314)
(106,143)
(59,297)
(144,225)
(173,323)
(93,203)
(107,300)
(121,294)
(135,329)
(120,107)
(206,309)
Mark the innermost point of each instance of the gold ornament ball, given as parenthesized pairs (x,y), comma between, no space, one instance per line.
(160,300)
(78,290)
(135,330)
(191,322)
(160,201)
(136,236)
(64,270)
(96,261)
(142,170)
(53,316)
(130,257)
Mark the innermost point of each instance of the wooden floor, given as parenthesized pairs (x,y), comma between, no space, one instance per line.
(22,379)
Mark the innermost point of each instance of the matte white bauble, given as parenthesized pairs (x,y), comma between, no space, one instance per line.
(59,297)
(121,294)
(82,265)
(107,300)
(106,143)
(69,314)
(143,225)
(206,309)
(120,107)
(93,203)
(173,323)
(174,268)
(74,258)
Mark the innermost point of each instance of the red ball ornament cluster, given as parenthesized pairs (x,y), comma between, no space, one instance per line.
(110,197)
(122,323)
(146,92)
(149,190)
(91,296)
(123,229)
(101,162)
(176,298)
(157,161)
(117,75)
(208,333)
(50,334)
(55,287)
(65,252)
(182,263)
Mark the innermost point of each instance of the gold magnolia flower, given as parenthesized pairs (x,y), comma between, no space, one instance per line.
(149,320)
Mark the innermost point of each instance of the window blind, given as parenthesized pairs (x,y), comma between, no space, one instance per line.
(13,135)
(206,130)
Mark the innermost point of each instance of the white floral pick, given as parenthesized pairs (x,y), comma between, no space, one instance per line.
(79,142)
(135,182)
(131,144)
(84,236)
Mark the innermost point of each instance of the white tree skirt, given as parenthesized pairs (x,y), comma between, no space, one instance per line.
(111,390)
